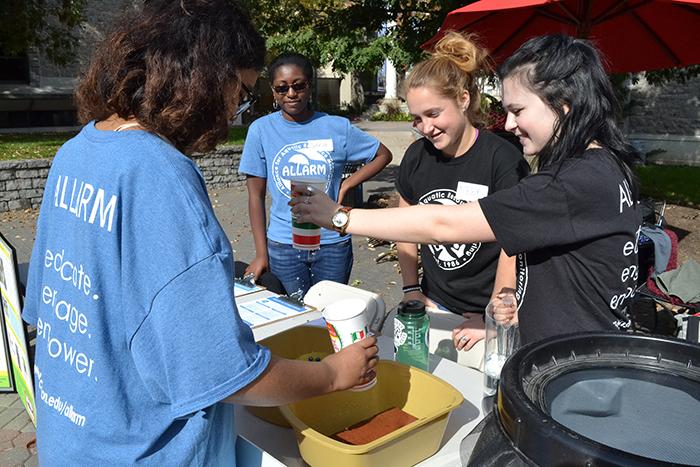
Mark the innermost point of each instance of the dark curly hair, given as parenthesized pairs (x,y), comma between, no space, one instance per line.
(173,66)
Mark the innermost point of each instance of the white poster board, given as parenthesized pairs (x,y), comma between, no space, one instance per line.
(15,334)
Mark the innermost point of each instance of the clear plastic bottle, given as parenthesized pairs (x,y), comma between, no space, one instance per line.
(411,327)
(501,341)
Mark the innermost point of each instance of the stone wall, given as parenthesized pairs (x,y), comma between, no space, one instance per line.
(22,182)
(670,109)
(663,122)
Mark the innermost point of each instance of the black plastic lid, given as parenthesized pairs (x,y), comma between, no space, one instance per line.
(412,307)
(531,375)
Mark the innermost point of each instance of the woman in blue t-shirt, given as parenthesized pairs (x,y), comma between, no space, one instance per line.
(297,141)
(141,350)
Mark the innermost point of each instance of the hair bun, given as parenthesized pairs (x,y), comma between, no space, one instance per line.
(462,49)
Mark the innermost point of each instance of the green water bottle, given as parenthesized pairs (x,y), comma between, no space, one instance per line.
(411,334)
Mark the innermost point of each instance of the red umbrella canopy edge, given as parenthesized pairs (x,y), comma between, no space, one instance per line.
(633,35)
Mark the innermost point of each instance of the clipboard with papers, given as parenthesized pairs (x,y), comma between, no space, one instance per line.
(268,313)
(243,287)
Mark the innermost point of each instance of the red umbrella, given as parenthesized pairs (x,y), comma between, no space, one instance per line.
(633,35)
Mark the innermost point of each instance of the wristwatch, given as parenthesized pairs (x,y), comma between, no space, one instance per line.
(340,219)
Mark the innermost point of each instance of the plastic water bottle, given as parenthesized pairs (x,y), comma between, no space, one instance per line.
(501,342)
(411,334)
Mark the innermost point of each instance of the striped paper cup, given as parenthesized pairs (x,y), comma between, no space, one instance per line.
(306,235)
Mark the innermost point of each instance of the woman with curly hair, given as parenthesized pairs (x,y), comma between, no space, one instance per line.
(131,278)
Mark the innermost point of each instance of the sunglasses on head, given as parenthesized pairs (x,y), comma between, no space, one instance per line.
(284,88)
(246,101)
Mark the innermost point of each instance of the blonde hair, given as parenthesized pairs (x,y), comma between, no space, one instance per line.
(456,63)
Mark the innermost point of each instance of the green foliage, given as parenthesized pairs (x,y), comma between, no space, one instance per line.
(671,75)
(674,184)
(391,116)
(350,34)
(49,25)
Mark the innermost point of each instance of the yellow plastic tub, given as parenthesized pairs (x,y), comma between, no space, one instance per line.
(300,342)
(417,392)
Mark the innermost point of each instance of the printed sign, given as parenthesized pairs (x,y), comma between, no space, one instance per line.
(15,335)
(7,383)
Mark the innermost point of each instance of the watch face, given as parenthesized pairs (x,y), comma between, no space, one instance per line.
(339,219)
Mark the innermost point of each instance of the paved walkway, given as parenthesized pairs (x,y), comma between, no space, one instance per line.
(17,432)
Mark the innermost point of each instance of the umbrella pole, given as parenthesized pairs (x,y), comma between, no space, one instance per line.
(583,29)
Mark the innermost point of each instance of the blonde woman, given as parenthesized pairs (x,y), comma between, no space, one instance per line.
(455,163)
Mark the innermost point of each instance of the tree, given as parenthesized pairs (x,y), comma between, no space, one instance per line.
(352,35)
(671,75)
(49,25)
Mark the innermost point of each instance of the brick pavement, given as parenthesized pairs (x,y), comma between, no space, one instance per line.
(17,434)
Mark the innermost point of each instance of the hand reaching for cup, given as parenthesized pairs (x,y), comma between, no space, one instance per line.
(312,205)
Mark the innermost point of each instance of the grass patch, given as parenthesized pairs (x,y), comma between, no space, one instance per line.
(674,184)
(19,147)
(236,135)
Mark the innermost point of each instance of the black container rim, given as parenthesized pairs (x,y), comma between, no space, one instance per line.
(546,442)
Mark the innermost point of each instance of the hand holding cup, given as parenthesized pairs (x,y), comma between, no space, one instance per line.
(348,324)
(505,307)
(353,366)
(312,205)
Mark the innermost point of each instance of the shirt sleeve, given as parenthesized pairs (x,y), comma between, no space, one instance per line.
(551,208)
(360,146)
(530,215)
(193,349)
(253,160)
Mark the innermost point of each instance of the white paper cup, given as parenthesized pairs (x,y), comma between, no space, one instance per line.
(306,235)
(347,323)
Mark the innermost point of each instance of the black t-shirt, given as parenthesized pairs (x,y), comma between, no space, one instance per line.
(578,230)
(460,277)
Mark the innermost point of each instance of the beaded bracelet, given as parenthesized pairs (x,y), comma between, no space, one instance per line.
(411,288)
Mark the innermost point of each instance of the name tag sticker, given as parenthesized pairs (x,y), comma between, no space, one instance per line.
(471,191)
(321,144)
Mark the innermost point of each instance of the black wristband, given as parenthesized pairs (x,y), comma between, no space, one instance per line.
(411,288)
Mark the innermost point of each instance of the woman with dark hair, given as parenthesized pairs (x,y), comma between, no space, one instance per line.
(131,278)
(296,141)
(574,223)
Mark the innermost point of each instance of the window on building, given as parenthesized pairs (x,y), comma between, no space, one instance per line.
(14,68)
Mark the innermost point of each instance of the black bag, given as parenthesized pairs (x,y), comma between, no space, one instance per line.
(653,212)
(648,320)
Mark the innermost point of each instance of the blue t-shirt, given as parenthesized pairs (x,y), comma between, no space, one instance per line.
(130,288)
(277,150)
